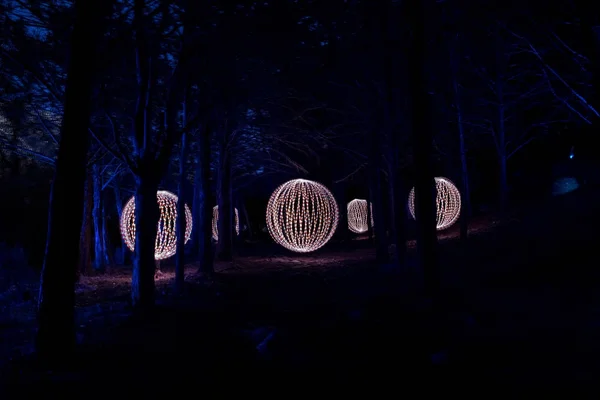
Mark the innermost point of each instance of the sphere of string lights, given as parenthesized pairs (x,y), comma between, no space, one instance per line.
(447,203)
(166,237)
(357,216)
(302,215)
(215,222)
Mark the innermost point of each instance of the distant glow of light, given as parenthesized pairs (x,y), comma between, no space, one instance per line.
(564,185)
(357,216)
(302,215)
(447,203)
(215,222)
(166,236)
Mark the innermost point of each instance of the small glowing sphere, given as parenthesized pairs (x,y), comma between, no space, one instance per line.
(166,237)
(357,216)
(302,215)
(447,203)
(215,222)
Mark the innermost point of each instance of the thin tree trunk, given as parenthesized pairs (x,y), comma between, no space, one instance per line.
(247,219)
(465,212)
(197,236)
(225,223)
(340,196)
(108,250)
(55,337)
(119,203)
(85,241)
(97,215)
(370,216)
(204,229)
(181,222)
(381,238)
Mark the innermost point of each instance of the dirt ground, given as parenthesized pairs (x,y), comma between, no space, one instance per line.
(520,307)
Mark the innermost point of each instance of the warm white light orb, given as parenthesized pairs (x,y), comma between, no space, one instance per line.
(302,215)
(357,216)
(166,237)
(447,203)
(215,222)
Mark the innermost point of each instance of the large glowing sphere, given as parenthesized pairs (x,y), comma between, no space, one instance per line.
(357,216)
(215,222)
(447,203)
(302,215)
(166,237)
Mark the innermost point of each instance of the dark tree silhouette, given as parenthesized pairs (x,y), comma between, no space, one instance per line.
(56,333)
(204,207)
(423,143)
(181,220)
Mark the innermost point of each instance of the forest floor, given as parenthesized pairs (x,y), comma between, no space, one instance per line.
(520,308)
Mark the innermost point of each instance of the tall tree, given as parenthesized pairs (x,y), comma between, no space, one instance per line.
(181,220)
(204,208)
(56,333)
(224,193)
(423,143)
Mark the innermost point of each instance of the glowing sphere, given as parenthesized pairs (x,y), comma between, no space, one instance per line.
(166,238)
(447,203)
(302,215)
(357,216)
(215,222)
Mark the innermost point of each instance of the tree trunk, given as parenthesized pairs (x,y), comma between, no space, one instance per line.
(370,216)
(247,219)
(197,236)
(465,211)
(381,239)
(85,241)
(147,215)
(56,334)
(399,212)
(119,203)
(225,223)
(108,250)
(388,17)
(204,229)
(425,208)
(181,222)
(340,197)
(99,263)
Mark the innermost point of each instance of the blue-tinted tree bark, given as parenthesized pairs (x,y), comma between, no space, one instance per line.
(225,223)
(99,260)
(204,207)
(106,242)
(85,241)
(181,221)
(119,203)
(56,334)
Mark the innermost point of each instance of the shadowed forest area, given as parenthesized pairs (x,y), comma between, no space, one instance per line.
(396,193)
